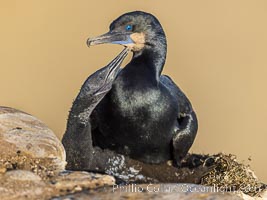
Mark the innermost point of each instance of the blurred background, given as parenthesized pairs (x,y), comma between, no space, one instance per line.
(216,54)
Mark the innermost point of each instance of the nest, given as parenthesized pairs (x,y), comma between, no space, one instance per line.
(228,174)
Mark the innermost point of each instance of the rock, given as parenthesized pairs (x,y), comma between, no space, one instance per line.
(260,196)
(21,175)
(154,192)
(263,194)
(71,181)
(27,143)
(22,184)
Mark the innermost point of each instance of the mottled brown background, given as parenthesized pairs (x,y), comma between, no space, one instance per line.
(216,53)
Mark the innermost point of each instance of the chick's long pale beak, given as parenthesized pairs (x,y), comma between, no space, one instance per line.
(111,71)
(112,38)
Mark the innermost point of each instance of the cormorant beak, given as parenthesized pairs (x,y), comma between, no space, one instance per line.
(112,38)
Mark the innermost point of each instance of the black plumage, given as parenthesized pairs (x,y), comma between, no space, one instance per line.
(145,115)
(77,139)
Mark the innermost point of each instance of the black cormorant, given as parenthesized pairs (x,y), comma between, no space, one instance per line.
(145,115)
(77,139)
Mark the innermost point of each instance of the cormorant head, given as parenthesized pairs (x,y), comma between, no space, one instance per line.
(137,30)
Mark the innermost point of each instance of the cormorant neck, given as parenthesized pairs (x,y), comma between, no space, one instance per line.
(153,56)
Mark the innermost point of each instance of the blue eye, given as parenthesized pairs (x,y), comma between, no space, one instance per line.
(128,27)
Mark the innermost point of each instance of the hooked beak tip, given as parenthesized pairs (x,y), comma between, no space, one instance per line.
(88,42)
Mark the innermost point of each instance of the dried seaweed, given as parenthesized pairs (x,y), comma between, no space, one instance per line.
(230,175)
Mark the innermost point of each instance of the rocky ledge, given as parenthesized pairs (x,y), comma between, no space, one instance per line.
(32,166)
